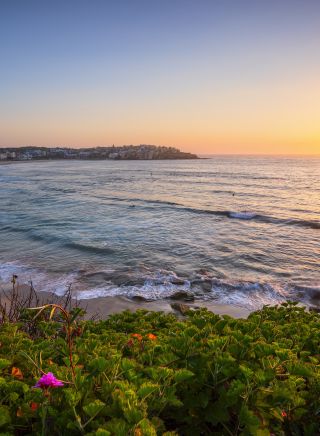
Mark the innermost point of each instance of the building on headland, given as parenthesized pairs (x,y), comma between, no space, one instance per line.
(125,152)
(7,155)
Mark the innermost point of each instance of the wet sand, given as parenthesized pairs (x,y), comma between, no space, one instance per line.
(102,307)
(105,306)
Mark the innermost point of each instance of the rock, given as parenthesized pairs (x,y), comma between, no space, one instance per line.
(314,309)
(120,280)
(135,281)
(139,298)
(128,280)
(202,272)
(181,308)
(206,285)
(177,281)
(182,295)
(315,298)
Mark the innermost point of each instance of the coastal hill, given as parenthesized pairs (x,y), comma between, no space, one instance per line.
(125,152)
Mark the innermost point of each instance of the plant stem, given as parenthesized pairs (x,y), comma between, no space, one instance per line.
(44,416)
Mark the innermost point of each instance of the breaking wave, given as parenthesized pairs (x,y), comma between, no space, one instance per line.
(158,285)
(252,215)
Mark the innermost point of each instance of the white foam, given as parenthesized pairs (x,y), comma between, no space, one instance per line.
(58,285)
(242,215)
(24,272)
(152,289)
(42,281)
(159,285)
(251,295)
(96,293)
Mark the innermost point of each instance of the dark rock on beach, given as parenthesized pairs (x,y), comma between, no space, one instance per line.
(139,298)
(181,308)
(177,281)
(127,280)
(182,295)
(314,309)
(203,272)
(204,284)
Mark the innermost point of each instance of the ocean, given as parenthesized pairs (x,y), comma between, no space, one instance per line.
(242,230)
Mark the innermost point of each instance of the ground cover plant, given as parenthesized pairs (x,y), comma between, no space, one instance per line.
(153,374)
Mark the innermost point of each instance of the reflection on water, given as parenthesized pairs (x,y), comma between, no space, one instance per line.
(248,226)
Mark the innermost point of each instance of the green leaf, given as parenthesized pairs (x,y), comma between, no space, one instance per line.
(147,429)
(127,364)
(182,375)
(146,389)
(14,396)
(217,412)
(262,432)
(248,419)
(247,372)
(72,397)
(92,409)
(170,433)
(75,313)
(100,364)
(4,416)
(102,432)
(4,363)
(118,427)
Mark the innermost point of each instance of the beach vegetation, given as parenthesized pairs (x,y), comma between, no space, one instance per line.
(150,373)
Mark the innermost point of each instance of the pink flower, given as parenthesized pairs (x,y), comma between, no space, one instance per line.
(48,381)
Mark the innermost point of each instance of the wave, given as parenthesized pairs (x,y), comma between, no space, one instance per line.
(255,216)
(58,189)
(7,269)
(242,215)
(246,294)
(89,248)
(252,216)
(61,240)
(222,175)
(162,284)
(41,280)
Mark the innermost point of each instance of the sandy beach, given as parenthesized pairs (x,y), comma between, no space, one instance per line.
(102,307)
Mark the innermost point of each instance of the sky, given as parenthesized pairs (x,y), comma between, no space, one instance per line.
(206,76)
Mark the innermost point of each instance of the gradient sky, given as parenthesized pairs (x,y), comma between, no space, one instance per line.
(208,76)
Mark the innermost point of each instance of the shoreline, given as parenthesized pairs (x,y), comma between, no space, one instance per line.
(105,306)
(102,307)
(9,162)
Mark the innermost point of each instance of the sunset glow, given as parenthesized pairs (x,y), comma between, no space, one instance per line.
(202,76)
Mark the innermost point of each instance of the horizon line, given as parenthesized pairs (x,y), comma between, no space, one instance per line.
(173,146)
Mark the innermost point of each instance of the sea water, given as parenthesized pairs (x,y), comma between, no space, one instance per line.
(232,229)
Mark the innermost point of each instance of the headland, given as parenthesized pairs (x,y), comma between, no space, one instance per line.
(124,152)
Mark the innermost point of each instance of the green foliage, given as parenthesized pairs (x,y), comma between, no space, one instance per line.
(147,374)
